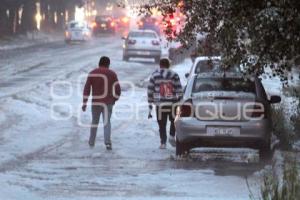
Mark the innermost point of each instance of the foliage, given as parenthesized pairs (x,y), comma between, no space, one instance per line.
(282,128)
(266,31)
(12,22)
(287,189)
(295,119)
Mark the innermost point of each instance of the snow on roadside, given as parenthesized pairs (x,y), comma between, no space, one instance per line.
(28,128)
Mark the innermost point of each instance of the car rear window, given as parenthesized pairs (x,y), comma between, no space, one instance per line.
(142,35)
(101,19)
(205,66)
(223,84)
(76,25)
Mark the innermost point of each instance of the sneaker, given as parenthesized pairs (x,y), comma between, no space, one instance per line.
(92,145)
(108,147)
(172,141)
(163,146)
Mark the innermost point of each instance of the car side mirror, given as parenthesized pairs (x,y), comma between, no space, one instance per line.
(275,99)
(187,75)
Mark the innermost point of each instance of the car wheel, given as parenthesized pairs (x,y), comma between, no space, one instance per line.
(265,152)
(157,59)
(181,148)
(125,58)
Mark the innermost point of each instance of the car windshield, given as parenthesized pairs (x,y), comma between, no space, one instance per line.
(223,84)
(205,66)
(142,35)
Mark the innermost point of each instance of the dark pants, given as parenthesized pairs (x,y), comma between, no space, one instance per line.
(163,113)
(105,111)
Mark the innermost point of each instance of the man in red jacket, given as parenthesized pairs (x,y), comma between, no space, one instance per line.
(105,92)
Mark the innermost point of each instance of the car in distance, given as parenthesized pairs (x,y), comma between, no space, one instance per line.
(142,44)
(218,111)
(104,24)
(149,23)
(77,31)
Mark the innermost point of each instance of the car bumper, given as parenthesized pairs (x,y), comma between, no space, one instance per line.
(252,134)
(144,53)
(77,38)
(103,29)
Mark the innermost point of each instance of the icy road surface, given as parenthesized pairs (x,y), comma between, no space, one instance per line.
(43,137)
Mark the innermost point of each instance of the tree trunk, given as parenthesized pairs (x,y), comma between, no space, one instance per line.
(28,22)
(3,21)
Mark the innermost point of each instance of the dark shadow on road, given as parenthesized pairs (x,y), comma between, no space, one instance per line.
(242,164)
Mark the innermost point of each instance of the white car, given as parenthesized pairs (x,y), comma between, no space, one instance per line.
(77,31)
(205,64)
(142,44)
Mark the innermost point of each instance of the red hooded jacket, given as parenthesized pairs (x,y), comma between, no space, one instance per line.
(104,84)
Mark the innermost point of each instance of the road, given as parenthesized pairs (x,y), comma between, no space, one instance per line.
(43,138)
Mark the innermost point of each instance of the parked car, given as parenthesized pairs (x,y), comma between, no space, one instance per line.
(205,64)
(77,31)
(218,111)
(104,24)
(142,44)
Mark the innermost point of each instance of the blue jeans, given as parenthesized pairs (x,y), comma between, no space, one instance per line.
(106,111)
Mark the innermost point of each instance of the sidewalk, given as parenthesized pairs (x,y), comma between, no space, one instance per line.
(30,39)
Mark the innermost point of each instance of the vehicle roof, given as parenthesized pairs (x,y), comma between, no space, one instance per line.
(142,31)
(204,58)
(221,75)
(103,16)
(76,21)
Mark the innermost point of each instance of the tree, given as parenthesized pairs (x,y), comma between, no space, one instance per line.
(19,16)
(256,33)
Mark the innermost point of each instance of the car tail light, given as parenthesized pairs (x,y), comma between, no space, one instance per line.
(112,24)
(94,25)
(131,42)
(125,20)
(155,42)
(185,110)
(140,24)
(258,111)
(254,111)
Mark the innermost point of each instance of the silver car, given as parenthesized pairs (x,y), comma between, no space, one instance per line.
(142,44)
(218,111)
(77,31)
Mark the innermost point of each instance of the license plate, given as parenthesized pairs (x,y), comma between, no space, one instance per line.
(143,53)
(223,131)
(103,25)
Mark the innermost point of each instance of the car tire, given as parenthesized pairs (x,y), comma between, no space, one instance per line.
(181,148)
(157,59)
(265,152)
(125,58)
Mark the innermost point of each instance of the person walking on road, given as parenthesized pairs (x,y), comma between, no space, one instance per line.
(164,90)
(105,92)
